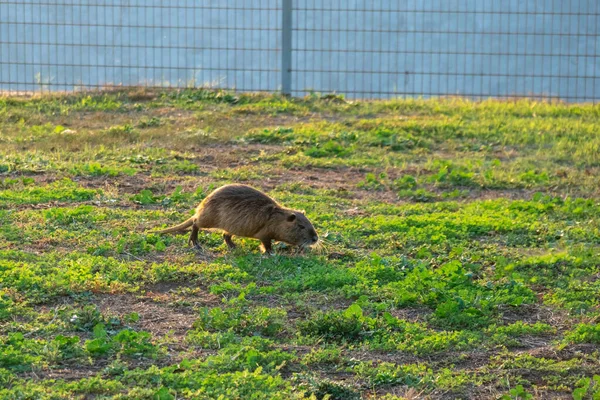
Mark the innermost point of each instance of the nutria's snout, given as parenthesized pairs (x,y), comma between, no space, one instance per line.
(311,241)
(313,238)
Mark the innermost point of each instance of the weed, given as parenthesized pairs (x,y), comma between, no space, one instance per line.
(587,387)
(270,136)
(326,389)
(323,356)
(584,333)
(62,190)
(348,325)
(261,320)
(518,393)
(327,149)
(125,342)
(97,169)
(386,374)
(149,122)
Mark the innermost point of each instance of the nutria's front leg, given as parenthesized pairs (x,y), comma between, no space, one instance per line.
(228,241)
(266,244)
(194,237)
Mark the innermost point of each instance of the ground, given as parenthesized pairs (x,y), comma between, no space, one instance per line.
(459,253)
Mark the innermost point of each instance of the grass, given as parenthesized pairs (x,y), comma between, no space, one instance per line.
(461,245)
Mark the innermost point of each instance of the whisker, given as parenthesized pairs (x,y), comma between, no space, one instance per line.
(325,240)
(320,247)
(322,243)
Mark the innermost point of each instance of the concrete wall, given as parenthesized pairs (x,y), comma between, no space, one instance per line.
(377,48)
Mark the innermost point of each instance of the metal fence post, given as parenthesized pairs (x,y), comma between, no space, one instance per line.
(286,48)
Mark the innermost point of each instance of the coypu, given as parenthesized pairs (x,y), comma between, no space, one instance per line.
(241,210)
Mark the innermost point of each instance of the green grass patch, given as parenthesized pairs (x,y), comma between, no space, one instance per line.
(459,255)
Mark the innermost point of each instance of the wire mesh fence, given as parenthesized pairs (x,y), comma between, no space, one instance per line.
(80,44)
(360,48)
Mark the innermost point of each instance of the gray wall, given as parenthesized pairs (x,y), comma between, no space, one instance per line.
(377,48)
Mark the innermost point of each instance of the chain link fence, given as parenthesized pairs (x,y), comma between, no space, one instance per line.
(359,48)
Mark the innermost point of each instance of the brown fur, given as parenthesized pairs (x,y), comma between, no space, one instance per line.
(240,210)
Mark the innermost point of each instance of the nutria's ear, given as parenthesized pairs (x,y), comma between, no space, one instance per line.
(272,210)
(291,217)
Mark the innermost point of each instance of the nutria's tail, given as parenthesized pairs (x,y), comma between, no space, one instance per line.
(177,228)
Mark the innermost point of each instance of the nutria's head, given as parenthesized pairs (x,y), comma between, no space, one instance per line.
(294,228)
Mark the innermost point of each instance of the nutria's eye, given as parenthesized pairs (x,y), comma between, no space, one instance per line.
(301,226)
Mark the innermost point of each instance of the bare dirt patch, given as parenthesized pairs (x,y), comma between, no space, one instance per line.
(158,315)
(532,313)
(412,314)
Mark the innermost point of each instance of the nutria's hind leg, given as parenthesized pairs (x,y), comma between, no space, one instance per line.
(228,241)
(193,240)
(200,222)
(266,245)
